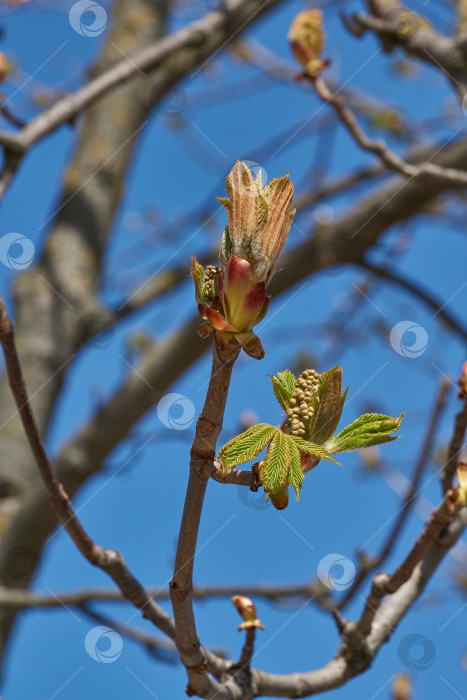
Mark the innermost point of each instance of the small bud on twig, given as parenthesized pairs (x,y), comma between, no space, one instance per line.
(247,610)
(306,36)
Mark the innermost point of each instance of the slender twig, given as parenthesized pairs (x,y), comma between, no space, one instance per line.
(380,148)
(275,593)
(355,655)
(12,118)
(248,647)
(208,428)
(151,643)
(384,584)
(371,563)
(108,560)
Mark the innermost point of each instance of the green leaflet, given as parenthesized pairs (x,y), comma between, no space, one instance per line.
(276,463)
(246,446)
(328,405)
(370,429)
(284,387)
(311,449)
(295,476)
(197,272)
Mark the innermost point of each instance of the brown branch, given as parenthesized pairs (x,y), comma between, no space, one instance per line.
(248,648)
(149,641)
(383,584)
(110,561)
(396,25)
(371,563)
(208,427)
(455,447)
(205,36)
(379,148)
(275,593)
(356,654)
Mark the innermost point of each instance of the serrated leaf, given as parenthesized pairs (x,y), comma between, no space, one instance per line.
(295,476)
(246,446)
(368,430)
(276,463)
(327,406)
(311,449)
(284,387)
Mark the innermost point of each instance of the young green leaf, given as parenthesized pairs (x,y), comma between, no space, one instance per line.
(311,449)
(284,387)
(295,476)
(370,429)
(277,463)
(246,446)
(328,405)
(197,272)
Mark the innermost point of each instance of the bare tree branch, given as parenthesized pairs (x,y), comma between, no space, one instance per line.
(396,25)
(380,148)
(383,584)
(110,561)
(455,447)
(357,653)
(199,40)
(203,450)
(372,563)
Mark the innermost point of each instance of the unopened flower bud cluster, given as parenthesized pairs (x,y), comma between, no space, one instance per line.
(210,281)
(300,410)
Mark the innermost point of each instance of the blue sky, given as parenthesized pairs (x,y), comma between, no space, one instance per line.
(135,505)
